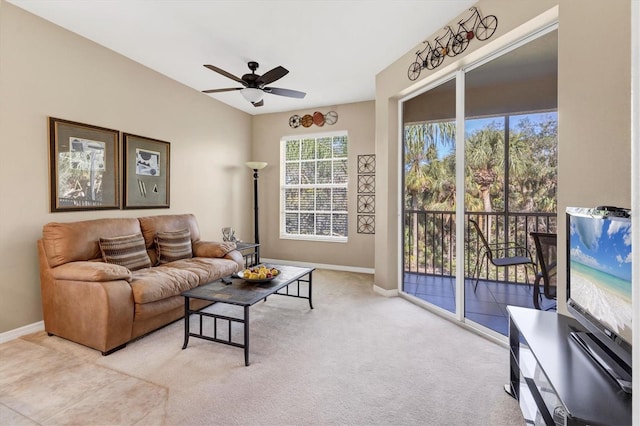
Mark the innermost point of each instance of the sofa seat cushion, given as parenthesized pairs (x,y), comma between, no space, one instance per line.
(159,282)
(207,269)
(146,311)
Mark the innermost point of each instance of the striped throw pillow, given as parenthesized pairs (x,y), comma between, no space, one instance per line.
(128,251)
(173,246)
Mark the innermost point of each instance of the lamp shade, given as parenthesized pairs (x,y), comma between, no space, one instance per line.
(256,165)
(252,94)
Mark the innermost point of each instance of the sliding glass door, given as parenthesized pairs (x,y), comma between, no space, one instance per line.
(429,176)
(509,172)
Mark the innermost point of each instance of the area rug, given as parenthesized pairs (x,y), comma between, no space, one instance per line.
(43,386)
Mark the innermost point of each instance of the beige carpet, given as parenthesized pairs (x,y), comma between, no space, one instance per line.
(357,358)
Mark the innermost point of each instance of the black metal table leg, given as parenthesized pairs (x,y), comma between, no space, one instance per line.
(186,322)
(310,278)
(246,335)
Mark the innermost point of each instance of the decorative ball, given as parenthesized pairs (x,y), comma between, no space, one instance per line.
(331,117)
(294,121)
(307,120)
(318,119)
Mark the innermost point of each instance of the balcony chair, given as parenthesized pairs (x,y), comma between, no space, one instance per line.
(546,255)
(500,255)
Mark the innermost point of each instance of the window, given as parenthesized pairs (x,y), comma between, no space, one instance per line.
(313,193)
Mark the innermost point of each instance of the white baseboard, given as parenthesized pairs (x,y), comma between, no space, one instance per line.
(18,332)
(320,266)
(384,292)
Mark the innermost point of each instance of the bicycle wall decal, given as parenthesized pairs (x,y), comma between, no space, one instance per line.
(453,43)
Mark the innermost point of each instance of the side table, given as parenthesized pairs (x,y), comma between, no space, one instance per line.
(250,252)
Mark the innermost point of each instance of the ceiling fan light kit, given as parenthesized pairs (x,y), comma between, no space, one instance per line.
(251,94)
(254,84)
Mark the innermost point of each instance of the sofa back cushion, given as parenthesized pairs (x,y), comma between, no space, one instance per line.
(128,251)
(73,241)
(151,225)
(174,245)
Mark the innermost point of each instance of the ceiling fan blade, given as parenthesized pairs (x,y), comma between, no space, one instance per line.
(229,89)
(226,74)
(271,76)
(259,103)
(285,92)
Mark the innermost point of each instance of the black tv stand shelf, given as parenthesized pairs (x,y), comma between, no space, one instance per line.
(554,380)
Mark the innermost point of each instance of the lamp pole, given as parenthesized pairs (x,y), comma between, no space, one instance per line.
(255,166)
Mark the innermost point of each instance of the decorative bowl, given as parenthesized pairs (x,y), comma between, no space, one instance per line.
(257,280)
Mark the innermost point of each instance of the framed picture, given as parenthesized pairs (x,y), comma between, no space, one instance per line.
(83,166)
(145,172)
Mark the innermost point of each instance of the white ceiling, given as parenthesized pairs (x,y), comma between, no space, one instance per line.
(333,49)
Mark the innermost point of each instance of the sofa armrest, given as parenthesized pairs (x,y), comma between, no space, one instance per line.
(237,257)
(212,248)
(95,314)
(91,271)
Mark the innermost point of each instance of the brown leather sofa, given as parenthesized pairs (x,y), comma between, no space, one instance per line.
(105,305)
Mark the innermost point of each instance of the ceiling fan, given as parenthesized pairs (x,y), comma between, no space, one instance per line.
(254,85)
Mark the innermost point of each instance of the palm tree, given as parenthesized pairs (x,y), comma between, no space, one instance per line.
(484,155)
(426,182)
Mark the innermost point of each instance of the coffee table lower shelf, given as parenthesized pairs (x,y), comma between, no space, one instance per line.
(245,294)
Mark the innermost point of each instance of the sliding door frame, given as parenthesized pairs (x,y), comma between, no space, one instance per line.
(519,39)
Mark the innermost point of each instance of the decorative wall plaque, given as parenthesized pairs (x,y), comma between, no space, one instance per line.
(366,224)
(367,163)
(318,118)
(366,194)
(366,184)
(453,42)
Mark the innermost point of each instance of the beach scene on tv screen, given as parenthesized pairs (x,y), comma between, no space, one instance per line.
(600,268)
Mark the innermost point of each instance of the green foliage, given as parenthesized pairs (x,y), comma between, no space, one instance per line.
(525,180)
(429,166)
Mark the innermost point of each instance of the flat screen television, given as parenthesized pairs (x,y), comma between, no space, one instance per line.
(599,286)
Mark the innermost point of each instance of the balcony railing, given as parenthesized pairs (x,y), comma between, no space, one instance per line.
(430,242)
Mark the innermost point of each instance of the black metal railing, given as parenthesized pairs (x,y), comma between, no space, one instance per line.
(430,243)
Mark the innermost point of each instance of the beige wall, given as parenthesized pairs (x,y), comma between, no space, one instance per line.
(47,71)
(593,110)
(268,129)
(594,104)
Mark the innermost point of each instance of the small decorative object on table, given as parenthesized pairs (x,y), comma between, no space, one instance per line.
(229,234)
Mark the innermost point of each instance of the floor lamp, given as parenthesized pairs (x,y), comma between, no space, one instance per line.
(255,166)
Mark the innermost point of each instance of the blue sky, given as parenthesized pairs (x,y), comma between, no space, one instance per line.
(602,244)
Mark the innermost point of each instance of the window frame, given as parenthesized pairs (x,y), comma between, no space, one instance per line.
(284,186)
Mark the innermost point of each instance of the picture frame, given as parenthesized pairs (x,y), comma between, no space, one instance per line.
(146,172)
(84,166)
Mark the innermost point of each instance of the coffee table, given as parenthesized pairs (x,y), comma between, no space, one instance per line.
(242,293)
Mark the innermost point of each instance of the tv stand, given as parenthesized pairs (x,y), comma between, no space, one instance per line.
(553,378)
(607,361)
